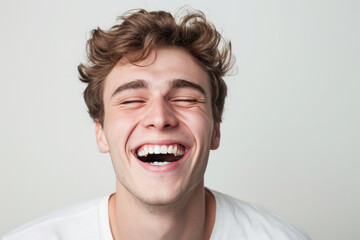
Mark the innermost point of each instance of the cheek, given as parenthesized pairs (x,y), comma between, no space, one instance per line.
(200,123)
(120,125)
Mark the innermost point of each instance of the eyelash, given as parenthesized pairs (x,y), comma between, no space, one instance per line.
(132,101)
(186,100)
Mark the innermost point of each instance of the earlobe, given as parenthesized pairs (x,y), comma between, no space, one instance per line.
(101,138)
(215,141)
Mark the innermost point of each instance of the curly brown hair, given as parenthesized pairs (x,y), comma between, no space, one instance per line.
(141,31)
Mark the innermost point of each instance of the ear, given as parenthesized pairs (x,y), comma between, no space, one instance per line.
(101,140)
(215,141)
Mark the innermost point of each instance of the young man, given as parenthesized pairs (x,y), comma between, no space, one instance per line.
(156,94)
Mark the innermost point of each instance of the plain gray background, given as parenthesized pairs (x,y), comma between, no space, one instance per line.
(290,136)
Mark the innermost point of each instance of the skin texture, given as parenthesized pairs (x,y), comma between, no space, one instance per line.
(164,99)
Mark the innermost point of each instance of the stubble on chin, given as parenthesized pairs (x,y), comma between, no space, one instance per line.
(165,206)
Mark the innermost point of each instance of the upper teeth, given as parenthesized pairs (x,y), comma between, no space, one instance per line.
(160,149)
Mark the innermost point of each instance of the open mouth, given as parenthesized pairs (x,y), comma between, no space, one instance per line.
(160,154)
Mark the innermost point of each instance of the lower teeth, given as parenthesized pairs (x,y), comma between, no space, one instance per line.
(159,163)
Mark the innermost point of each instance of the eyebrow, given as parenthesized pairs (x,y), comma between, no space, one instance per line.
(174,84)
(181,83)
(136,84)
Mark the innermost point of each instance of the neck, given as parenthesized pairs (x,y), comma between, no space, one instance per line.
(191,217)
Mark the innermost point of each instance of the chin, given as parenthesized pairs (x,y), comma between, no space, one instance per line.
(167,196)
(162,197)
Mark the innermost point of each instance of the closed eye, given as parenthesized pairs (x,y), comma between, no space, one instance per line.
(132,101)
(186,100)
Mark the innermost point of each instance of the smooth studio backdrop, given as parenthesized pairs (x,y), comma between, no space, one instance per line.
(290,135)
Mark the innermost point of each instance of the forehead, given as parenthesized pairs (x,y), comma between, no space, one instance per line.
(162,66)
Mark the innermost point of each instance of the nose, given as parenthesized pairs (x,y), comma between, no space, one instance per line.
(160,116)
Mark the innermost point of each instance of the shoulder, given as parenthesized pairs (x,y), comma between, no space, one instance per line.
(80,220)
(236,219)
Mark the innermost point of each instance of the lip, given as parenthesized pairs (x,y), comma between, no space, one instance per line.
(171,167)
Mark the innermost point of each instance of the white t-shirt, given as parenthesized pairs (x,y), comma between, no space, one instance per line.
(234,219)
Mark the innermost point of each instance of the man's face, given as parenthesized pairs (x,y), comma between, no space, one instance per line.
(158,125)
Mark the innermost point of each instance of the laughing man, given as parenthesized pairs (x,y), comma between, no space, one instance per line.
(156,92)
